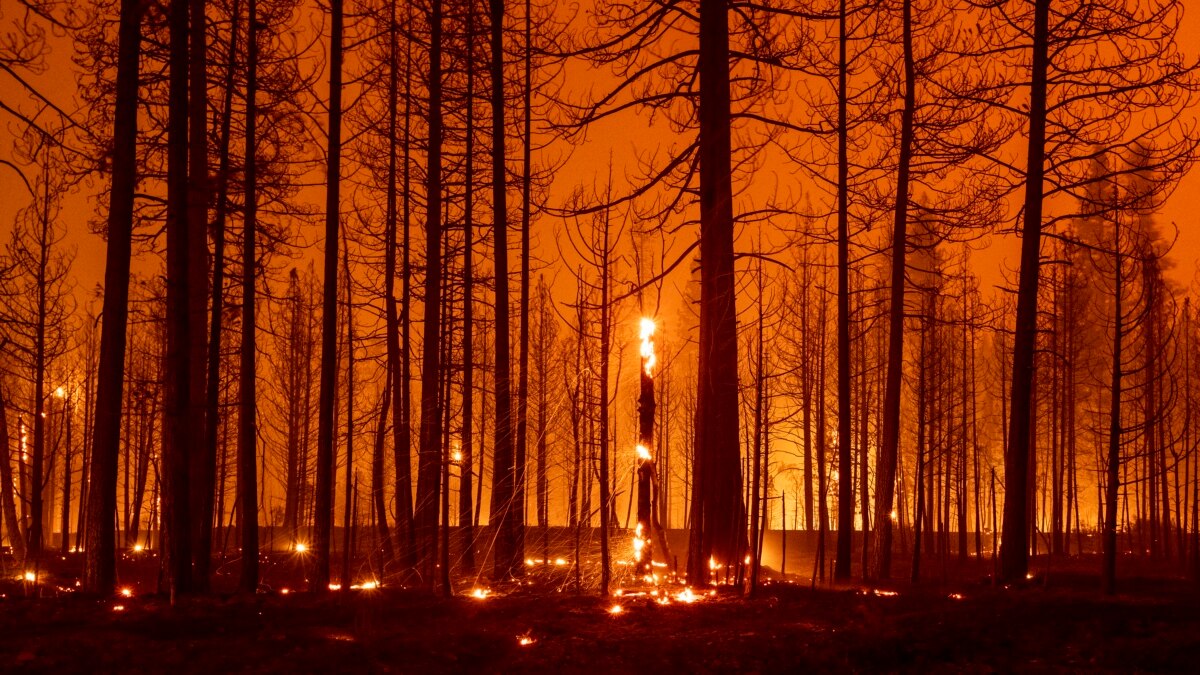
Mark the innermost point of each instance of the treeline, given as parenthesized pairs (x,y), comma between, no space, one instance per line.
(818,183)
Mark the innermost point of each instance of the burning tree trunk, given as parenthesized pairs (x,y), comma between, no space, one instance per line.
(643,550)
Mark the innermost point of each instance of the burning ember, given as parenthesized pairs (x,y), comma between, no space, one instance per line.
(480,593)
(615,610)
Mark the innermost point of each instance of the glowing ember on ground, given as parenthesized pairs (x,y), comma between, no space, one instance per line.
(118,608)
(1030,574)
(615,610)
(284,591)
(299,547)
(480,593)
(127,592)
(529,562)
(335,587)
(560,562)
(138,548)
(885,594)
(686,595)
(525,640)
(30,576)
(366,586)
(956,596)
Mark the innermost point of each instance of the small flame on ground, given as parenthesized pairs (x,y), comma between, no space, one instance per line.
(30,576)
(118,608)
(335,587)
(480,593)
(525,640)
(560,562)
(615,610)
(885,594)
(686,595)
(956,596)
(138,548)
(127,592)
(300,547)
(284,591)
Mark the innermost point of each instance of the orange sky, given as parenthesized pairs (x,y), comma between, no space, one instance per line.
(622,139)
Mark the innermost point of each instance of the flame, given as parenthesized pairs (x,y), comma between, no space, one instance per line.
(643,453)
(457,456)
(894,515)
(300,547)
(335,587)
(560,562)
(127,592)
(524,640)
(138,548)
(118,608)
(615,610)
(30,576)
(284,591)
(480,593)
(646,334)
(686,595)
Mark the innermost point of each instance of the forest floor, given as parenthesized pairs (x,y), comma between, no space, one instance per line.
(1051,623)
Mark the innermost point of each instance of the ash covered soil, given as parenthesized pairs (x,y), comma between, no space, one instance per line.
(1048,624)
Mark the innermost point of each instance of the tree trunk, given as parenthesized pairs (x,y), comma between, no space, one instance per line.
(323,500)
(202,467)
(247,479)
(178,425)
(506,560)
(429,452)
(718,521)
(1014,544)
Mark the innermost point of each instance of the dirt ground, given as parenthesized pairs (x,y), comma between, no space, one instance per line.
(1054,622)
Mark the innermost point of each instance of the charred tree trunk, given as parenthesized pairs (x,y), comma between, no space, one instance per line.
(202,467)
(179,436)
(718,518)
(885,465)
(247,478)
(1014,545)
(507,559)
(429,451)
(323,500)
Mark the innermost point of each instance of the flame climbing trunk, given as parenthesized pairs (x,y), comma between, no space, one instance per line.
(645,469)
